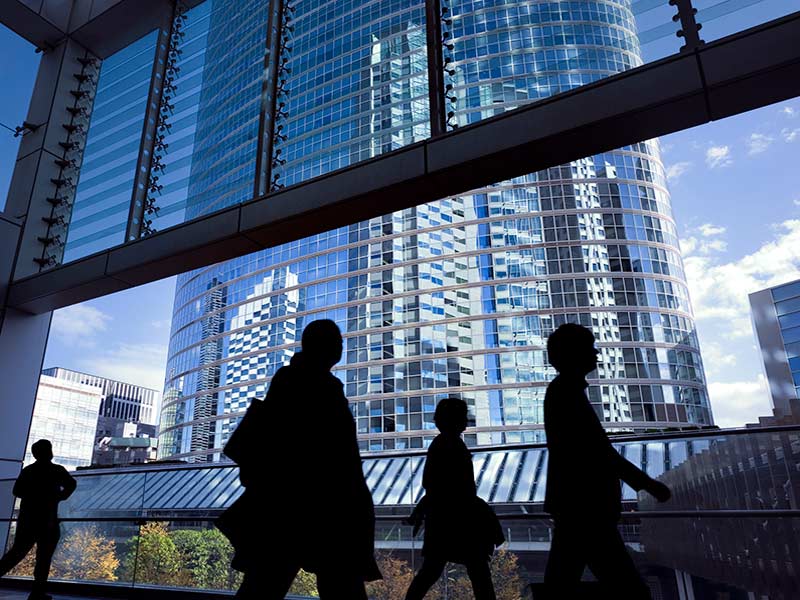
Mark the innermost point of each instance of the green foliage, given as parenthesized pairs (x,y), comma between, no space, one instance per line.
(153,557)
(198,558)
(206,554)
(305,584)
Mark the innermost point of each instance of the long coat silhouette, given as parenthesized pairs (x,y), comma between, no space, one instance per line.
(306,500)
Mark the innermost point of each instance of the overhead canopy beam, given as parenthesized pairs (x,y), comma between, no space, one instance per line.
(751,69)
(47,23)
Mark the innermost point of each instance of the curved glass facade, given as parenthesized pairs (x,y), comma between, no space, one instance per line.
(455,297)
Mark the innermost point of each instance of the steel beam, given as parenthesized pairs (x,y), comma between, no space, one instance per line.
(748,70)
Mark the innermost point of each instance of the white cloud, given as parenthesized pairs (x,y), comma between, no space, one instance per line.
(79,325)
(139,364)
(718,157)
(693,245)
(716,358)
(719,290)
(790,135)
(709,230)
(789,111)
(736,403)
(758,143)
(796,201)
(675,171)
(705,240)
(161,324)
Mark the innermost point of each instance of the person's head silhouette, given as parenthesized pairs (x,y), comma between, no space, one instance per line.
(42,450)
(322,343)
(451,416)
(570,349)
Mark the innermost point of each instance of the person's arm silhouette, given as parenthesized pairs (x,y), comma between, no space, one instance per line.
(67,483)
(22,486)
(638,479)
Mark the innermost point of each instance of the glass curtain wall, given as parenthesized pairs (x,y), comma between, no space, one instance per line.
(103,196)
(455,297)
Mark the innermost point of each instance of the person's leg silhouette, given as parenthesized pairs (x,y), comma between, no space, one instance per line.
(430,571)
(481,578)
(599,546)
(612,565)
(46,543)
(334,585)
(23,542)
(566,561)
(272,582)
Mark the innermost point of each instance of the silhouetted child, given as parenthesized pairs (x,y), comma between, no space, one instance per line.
(583,479)
(459,526)
(306,503)
(40,487)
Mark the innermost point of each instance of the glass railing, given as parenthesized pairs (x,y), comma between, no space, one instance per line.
(740,554)
(732,526)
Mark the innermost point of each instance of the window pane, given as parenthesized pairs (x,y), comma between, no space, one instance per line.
(790,290)
(103,197)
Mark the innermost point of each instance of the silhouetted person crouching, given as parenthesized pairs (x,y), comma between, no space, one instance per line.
(459,526)
(583,479)
(306,503)
(40,487)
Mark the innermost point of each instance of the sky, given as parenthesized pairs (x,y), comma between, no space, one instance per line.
(735,187)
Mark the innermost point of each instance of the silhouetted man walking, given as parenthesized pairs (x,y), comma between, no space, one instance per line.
(40,487)
(583,479)
(306,503)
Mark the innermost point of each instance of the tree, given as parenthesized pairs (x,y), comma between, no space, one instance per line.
(87,555)
(153,557)
(506,575)
(206,554)
(84,554)
(305,584)
(397,576)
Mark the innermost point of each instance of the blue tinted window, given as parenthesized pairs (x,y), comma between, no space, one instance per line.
(790,290)
(787,306)
(793,350)
(790,320)
(102,199)
(794,364)
(796,377)
(791,335)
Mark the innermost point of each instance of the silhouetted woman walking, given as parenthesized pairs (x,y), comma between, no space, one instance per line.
(459,526)
(306,503)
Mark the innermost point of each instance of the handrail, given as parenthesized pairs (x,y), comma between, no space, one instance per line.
(790,513)
(615,439)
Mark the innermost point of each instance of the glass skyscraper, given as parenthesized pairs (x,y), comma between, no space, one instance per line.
(451,298)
